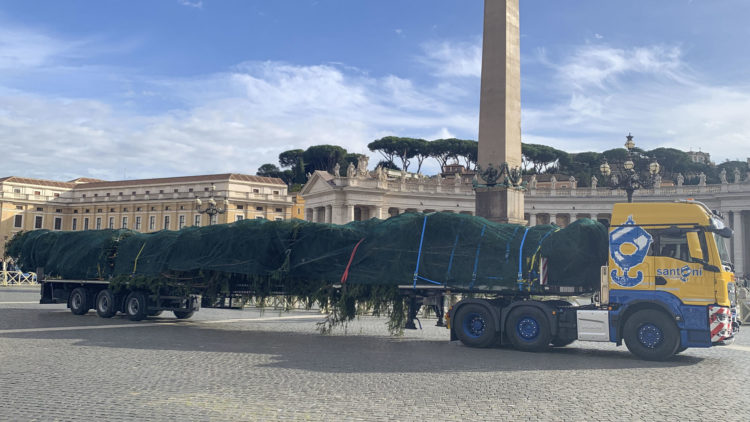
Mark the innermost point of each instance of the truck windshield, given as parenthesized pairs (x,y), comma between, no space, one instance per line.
(723,252)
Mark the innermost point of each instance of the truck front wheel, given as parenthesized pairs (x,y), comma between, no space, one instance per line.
(528,330)
(475,326)
(79,301)
(651,335)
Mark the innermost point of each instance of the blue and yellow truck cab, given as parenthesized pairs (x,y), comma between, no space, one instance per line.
(669,277)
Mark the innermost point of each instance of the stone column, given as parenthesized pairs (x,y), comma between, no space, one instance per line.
(500,109)
(532,220)
(349,213)
(738,243)
(309,214)
(327,214)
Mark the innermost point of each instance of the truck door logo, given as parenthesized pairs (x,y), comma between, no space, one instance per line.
(628,247)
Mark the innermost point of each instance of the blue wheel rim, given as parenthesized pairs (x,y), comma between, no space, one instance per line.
(527,328)
(649,335)
(474,325)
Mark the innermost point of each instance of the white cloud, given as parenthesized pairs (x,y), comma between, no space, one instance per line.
(234,121)
(453,59)
(599,94)
(196,4)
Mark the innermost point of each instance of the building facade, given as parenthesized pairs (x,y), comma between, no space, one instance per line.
(365,195)
(144,205)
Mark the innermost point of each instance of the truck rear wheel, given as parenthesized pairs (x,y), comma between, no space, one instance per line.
(136,306)
(79,301)
(105,304)
(651,335)
(528,330)
(475,326)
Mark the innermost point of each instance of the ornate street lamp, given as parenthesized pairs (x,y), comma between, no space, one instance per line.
(627,178)
(211,210)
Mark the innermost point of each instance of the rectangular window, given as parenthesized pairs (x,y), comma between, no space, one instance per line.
(75,224)
(181,222)
(260,217)
(39,209)
(197,222)
(152,222)
(279,218)
(240,207)
(98,223)
(258,208)
(166,222)
(16,190)
(18,221)
(239,218)
(39,193)
(58,223)
(124,222)
(279,210)
(138,222)
(86,223)
(38,222)
(19,207)
(111,222)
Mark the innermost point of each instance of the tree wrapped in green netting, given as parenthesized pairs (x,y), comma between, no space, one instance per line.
(305,259)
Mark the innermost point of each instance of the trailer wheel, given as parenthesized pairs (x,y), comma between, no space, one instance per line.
(528,330)
(79,301)
(651,335)
(136,306)
(105,304)
(183,314)
(475,326)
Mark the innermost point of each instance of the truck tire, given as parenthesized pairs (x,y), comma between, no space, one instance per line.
(136,306)
(183,314)
(527,328)
(106,307)
(475,326)
(79,301)
(651,335)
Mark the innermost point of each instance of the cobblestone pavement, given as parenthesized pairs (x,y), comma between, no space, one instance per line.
(248,365)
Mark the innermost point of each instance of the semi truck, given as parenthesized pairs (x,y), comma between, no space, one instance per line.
(668,285)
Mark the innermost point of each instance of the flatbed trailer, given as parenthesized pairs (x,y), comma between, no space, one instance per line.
(83,295)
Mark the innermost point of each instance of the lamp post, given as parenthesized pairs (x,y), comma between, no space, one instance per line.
(627,178)
(211,210)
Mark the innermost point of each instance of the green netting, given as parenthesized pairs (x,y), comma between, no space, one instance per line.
(458,251)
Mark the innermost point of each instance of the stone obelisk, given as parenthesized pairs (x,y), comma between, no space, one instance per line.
(500,110)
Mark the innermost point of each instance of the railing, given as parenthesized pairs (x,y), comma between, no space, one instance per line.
(17,278)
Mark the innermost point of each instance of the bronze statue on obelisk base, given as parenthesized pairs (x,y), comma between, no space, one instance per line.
(499,194)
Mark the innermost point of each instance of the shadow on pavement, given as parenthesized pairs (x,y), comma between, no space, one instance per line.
(337,353)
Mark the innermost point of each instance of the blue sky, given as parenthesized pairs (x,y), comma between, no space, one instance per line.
(135,89)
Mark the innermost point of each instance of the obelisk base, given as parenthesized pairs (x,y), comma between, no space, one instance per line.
(500,204)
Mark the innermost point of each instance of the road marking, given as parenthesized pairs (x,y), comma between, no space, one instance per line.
(154,324)
(738,347)
(263,319)
(83,327)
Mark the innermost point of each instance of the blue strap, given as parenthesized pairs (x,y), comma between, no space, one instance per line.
(428,280)
(450,261)
(507,245)
(520,260)
(476,259)
(419,254)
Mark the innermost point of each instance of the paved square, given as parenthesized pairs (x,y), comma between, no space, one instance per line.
(272,365)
